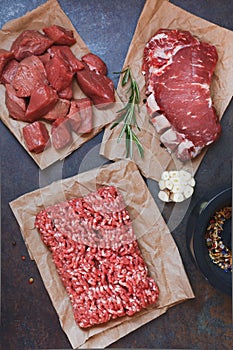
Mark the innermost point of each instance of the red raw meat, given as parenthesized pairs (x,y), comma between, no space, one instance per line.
(16,105)
(178,69)
(5,57)
(42,100)
(98,87)
(73,116)
(80,116)
(30,42)
(36,137)
(9,72)
(95,63)
(66,54)
(61,133)
(44,58)
(60,35)
(30,74)
(66,93)
(59,73)
(97,257)
(60,109)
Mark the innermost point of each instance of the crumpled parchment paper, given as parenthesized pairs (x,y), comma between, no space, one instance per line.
(155,241)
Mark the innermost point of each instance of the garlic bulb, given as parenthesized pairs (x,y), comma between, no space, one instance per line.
(176,186)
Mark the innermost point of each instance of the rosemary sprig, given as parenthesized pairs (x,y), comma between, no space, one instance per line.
(127,114)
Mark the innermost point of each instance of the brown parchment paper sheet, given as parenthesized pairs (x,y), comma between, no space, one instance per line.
(155,240)
(162,14)
(43,16)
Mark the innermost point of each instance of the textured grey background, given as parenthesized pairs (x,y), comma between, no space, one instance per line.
(28,318)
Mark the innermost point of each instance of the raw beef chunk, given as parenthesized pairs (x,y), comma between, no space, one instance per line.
(60,109)
(60,35)
(16,105)
(61,133)
(96,254)
(73,116)
(9,72)
(66,54)
(66,93)
(97,87)
(30,42)
(80,116)
(36,136)
(178,69)
(42,100)
(44,58)
(30,74)
(5,57)
(95,63)
(58,73)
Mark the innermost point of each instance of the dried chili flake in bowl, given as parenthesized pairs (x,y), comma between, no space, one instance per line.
(219,253)
(209,238)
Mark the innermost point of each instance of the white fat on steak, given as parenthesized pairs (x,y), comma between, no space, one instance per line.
(161,123)
(171,139)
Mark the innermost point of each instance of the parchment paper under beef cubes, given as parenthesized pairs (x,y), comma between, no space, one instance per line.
(97,256)
(36,136)
(38,75)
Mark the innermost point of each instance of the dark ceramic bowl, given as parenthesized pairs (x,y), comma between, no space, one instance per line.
(195,234)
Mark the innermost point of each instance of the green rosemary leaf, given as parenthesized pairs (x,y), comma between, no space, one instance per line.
(123,71)
(128,114)
(127,144)
(121,133)
(137,93)
(139,145)
(114,125)
(131,143)
(125,77)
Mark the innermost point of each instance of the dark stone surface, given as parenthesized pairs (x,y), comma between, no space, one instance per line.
(28,318)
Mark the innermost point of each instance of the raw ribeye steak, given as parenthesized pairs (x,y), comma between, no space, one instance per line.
(97,256)
(178,70)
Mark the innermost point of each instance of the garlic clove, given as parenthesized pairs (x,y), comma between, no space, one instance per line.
(165,175)
(164,196)
(188,191)
(177,197)
(168,184)
(162,185)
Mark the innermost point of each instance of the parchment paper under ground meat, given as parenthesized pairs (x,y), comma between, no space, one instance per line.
(97,256)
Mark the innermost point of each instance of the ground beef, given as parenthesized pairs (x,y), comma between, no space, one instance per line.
(97,256)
